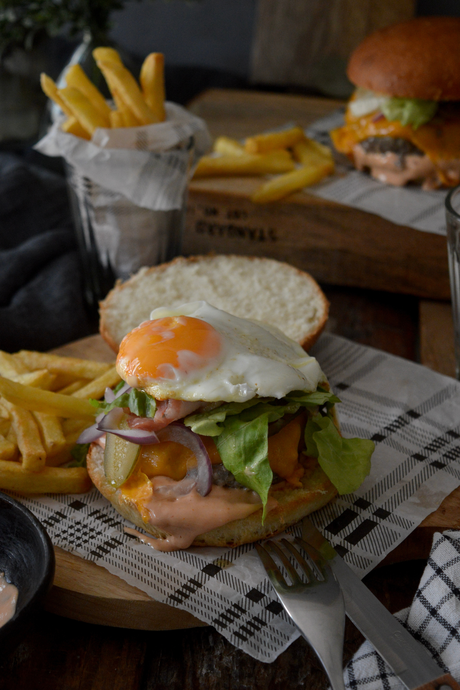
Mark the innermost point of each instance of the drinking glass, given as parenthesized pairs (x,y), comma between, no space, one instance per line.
(453,250)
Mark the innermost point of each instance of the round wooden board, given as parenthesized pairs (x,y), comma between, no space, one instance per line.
(87,592)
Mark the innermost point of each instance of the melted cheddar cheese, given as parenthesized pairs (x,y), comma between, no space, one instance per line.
(439,139)
(171,460)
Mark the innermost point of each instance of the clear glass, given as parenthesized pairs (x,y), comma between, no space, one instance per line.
(453,251)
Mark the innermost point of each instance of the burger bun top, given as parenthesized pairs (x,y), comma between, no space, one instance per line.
(417,58)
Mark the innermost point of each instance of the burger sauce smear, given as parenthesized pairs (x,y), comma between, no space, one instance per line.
(8,600)
(186,517)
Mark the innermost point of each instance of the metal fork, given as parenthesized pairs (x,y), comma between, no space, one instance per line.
(315,606)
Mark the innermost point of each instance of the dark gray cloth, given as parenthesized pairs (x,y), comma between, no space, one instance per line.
(41,299)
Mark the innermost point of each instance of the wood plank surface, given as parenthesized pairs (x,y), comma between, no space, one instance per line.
(338,244)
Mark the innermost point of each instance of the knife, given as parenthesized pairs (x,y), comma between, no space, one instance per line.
(403,653)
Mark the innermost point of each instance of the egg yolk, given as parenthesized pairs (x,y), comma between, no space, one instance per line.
(163,347)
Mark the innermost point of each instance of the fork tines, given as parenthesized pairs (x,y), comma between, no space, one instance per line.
(310,564)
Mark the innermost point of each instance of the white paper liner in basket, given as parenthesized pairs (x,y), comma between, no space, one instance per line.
(130,185)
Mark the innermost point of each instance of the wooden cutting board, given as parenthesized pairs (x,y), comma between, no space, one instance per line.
(87,592)
(337,244)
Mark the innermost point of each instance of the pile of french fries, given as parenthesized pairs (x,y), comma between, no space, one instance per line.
(296,160)
(134,104)
(44,406)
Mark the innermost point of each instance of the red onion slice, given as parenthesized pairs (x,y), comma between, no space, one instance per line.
(92,433)
(110,423)
(179,433)
(109,395)
(124,389)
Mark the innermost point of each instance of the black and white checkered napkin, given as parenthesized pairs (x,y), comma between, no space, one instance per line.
(413,415)
(433,619)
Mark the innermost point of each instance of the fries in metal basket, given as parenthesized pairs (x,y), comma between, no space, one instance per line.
(39,426)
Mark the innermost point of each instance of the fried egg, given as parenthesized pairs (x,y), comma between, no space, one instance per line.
(197,352)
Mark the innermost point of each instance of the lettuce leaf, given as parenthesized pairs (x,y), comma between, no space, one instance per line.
(207,423)
(79,453)
(210,423)
(240,431)
(139,402)
(243,448)
(346,461)
(409,111)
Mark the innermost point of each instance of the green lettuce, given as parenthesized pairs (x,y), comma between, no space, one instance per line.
(346,461)
(139,402)
(243,448)
(240,431)
(409,111)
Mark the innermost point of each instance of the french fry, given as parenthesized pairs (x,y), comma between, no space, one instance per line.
(35,399)
(311,152)
(73,426)
(64,455)
(58,364)
(116,119)
(33,454)
(10,366)
(153,84)
(121,82)
(106,54)
(41,378)
(51,90)
(56,480)
(82,108)
(72,126)
(72,387)
(281,186)
(96,388)
(129,119)
(11,437)
(263,143)
(8,449)
(247,164)
(77,78)
(51,432)
(228,146)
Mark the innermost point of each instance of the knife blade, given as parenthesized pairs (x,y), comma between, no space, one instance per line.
(403,653)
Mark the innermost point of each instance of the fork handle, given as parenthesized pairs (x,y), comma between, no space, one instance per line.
(444,682)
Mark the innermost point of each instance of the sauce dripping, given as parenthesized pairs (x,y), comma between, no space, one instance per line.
(8,600)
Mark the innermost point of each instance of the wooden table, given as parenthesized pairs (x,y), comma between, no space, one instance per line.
(59,653)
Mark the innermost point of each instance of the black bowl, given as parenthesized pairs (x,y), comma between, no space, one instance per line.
(27,559)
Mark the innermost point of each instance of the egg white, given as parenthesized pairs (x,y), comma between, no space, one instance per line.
(256,360)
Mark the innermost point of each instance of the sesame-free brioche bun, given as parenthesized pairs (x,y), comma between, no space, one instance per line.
(417,58)
(292,505)
(248,287)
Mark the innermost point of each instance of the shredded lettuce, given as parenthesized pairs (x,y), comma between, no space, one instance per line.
(139,403)
(79,453)
(346,461)
(409,111)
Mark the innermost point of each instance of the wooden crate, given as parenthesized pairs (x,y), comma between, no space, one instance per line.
(338,244)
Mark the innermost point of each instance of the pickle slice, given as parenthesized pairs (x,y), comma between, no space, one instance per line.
(120,457)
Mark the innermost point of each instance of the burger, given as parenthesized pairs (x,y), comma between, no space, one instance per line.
(402,123)
(223,431)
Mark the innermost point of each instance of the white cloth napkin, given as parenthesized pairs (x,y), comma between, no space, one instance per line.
(433,619)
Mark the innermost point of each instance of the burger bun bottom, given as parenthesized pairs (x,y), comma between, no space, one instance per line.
(292,505)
